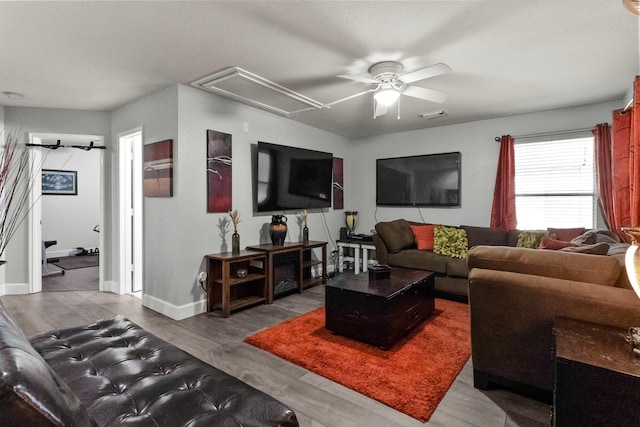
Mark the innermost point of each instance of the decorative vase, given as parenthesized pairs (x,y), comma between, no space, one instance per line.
(632,258)
(278,229)
(351,217)
(235,243)
(632,265)
(305,235)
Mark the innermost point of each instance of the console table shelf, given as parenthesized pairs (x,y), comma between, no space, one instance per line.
(226,290)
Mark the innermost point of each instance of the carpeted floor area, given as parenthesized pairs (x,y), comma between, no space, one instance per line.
(412,377)
(74,262)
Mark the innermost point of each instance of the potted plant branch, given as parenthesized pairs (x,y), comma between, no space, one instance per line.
(16,183)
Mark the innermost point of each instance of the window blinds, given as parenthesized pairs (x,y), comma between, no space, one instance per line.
(555,183)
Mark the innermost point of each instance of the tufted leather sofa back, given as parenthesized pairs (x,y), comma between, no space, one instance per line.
(31,394)
(114,373)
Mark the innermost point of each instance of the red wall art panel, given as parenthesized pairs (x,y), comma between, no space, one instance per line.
(158,169)
(219,168)
(338,182)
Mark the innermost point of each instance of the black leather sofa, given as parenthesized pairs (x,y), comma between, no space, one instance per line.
(114,373)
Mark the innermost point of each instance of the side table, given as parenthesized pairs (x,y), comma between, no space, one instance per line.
(361,250)
(597,377)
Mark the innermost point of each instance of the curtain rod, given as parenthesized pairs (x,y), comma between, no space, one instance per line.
(542,135)
(629,104)
(59,145)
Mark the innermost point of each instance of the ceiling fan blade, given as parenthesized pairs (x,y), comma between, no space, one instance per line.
(426,94)
(361,79)
(381,110)
(424,73)
(347,98)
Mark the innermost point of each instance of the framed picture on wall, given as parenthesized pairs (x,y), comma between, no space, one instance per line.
(59,182)
(158,169)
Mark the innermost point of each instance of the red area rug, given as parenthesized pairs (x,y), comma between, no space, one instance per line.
(412,377)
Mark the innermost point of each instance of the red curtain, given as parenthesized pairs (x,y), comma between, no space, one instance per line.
(604,174)
(620,196)
(503,211)
(634,156)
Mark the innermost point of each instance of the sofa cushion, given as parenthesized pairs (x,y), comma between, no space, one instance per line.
(554,244)
(485,236)
(396,235)
(531,238)
(127,376)
(596,236)
(566,234)
(512,237)
(457,267)
(450,241)
(420,260)
(30,392)
(423,235)
(595,249)
(602,270)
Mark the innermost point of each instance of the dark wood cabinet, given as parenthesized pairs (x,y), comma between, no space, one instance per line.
(597,377)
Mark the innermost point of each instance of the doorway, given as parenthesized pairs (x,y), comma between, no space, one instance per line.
(73,215)
(131,211)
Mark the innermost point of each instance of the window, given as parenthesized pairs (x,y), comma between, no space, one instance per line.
(555,183)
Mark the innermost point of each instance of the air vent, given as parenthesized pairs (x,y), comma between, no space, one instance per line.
(248,88)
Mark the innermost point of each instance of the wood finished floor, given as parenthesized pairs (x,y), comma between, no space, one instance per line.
(317,401)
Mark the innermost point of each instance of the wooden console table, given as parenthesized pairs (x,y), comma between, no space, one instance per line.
(227,289)
(597,377)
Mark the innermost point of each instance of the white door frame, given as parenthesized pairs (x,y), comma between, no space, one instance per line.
(131,237)
(35,213)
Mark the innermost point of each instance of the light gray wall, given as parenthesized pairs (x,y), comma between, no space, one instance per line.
(70,219)
(157,115)
(475,140)
(50,120)
(178,231)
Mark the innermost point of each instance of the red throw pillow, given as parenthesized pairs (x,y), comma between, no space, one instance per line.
(554,244)
(424,236)
(566,234)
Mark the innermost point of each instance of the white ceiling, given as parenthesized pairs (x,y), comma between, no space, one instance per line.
(508,57)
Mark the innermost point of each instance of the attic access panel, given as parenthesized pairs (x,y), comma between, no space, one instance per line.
(249,88)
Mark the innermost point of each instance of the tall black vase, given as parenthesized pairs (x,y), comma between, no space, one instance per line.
(278,229)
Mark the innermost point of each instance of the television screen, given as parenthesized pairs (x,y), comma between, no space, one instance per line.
(426,180)
(289,178)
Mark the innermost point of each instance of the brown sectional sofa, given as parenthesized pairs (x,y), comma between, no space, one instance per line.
(395,246)
(514,296)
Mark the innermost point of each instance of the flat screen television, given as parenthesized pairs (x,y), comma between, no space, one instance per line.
(291,178)
(425,180)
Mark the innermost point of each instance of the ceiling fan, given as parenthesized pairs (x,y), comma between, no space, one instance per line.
(390,84)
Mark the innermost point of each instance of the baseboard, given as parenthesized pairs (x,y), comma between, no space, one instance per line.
(14,289)
(111,286)
(173,311)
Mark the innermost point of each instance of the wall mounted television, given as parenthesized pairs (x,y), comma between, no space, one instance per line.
(291,178)
(424,180)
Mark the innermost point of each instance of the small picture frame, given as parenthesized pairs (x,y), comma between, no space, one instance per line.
(59,182)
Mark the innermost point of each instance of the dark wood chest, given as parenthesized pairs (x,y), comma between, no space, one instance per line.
(379,312)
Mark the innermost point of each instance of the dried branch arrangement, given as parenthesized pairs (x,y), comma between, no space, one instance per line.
(16,183)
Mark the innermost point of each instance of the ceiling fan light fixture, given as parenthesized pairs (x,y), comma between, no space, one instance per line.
(387,96)
(633,6)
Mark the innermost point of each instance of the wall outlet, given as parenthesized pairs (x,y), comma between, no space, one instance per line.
(246,126)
